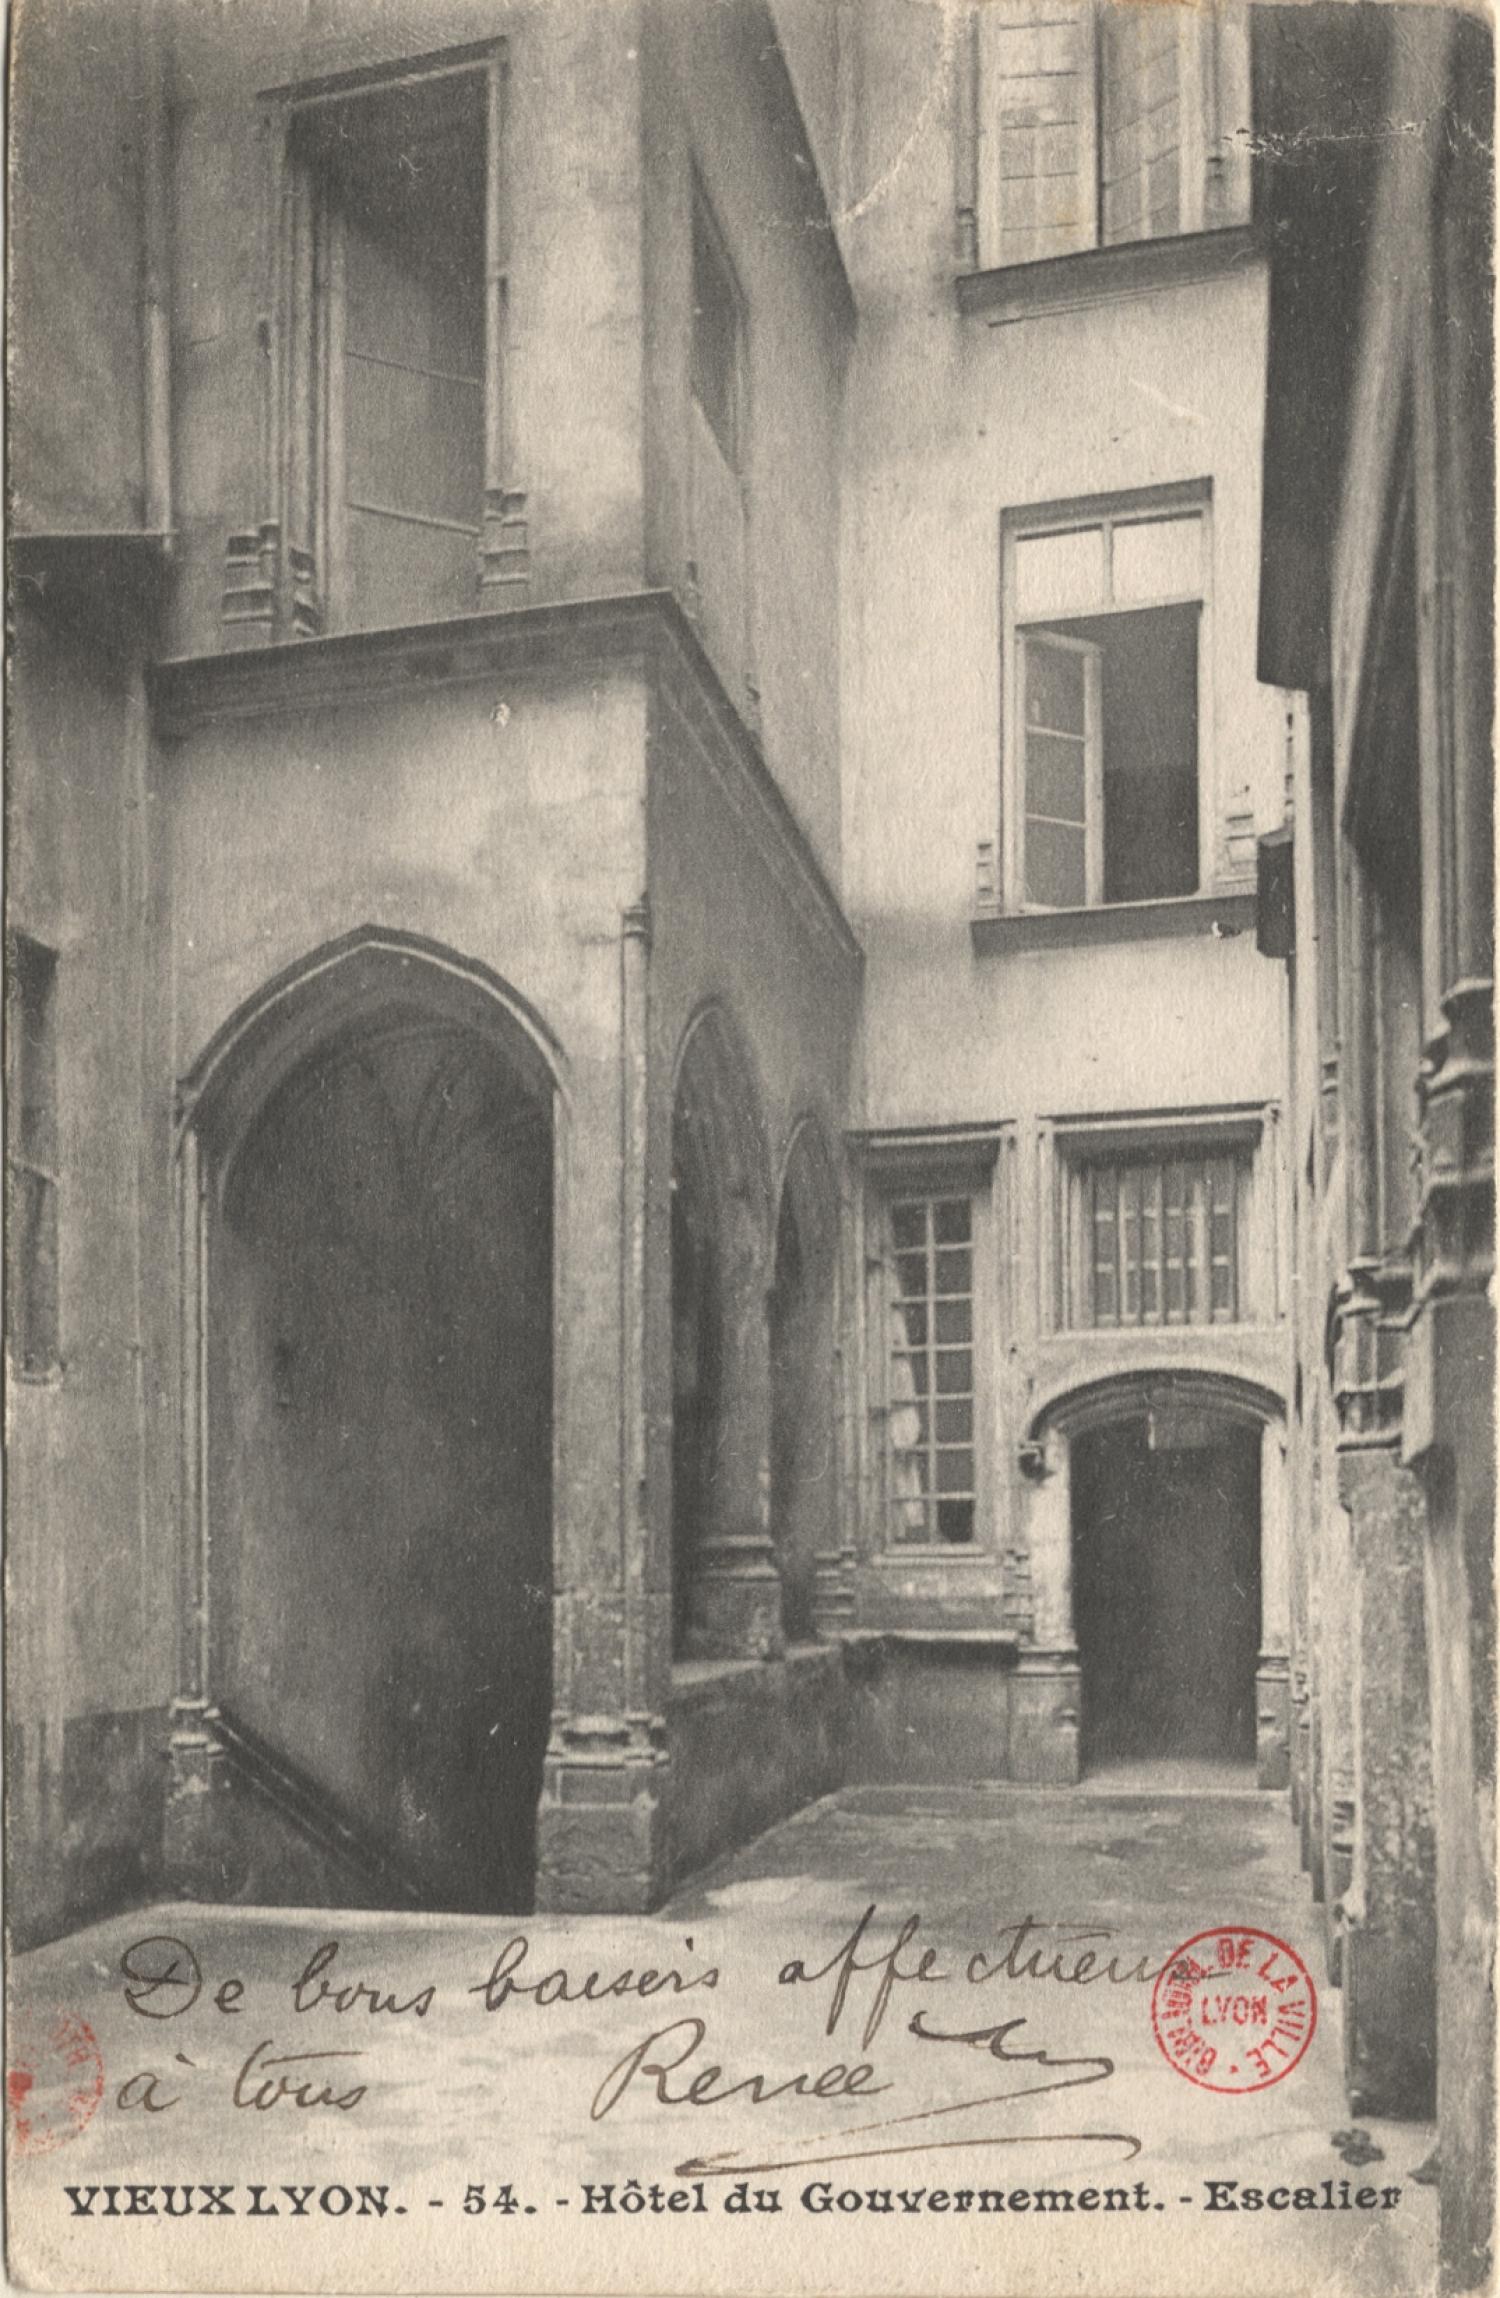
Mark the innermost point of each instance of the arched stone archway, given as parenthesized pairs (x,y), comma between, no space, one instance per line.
(368,1168)
(1157,1536)
(726,1593)
(803,1310)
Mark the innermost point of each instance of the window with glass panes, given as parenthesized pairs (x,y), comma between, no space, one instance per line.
(1158,1240)
(390,305)
(930,1425)
(1102,122)
(1103,633)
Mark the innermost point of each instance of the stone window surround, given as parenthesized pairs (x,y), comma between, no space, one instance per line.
(278,582)
(1065,1143)
(999,898)
(955,1161)
(1216,208)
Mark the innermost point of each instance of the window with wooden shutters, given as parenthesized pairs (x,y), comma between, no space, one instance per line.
(1157,1239)
(1102,122)
(32,1318)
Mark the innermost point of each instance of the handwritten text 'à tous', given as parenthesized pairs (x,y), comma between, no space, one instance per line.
(875,1967)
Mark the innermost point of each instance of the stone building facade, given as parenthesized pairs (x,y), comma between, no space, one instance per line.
(664,715)
(435,1009)
(1376,595)
(1057,761)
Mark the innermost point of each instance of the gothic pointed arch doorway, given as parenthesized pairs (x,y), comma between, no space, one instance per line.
(371,1151)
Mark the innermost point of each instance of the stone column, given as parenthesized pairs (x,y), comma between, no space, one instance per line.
(735,1606)
(1273,1671)
(602,1818)
(1389,1909)
(1046,1688)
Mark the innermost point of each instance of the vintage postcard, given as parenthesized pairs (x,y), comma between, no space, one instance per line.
(750,1084)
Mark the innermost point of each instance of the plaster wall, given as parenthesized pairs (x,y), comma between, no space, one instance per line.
(715,104)
(572,368)
(950,420)
(720,109)
(518,844)
(90,1623)
(75,407)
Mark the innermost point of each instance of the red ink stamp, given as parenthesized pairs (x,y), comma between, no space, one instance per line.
(54,2079)
(1234,2010)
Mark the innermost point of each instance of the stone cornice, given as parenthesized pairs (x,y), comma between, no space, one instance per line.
(646,629)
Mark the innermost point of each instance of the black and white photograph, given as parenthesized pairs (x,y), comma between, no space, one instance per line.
(749,1148)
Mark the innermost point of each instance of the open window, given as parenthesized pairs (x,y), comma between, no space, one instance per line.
(1103,640)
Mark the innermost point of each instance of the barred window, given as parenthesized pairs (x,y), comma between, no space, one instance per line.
(930,1427)
(1158,1240)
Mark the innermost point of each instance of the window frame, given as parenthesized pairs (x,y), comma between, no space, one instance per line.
(1022,524)
(713,471)
(1074,1145)
(897,1172)
(705,222)
(300,325)
(1214,185)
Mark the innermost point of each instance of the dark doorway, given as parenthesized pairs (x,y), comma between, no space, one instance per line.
(1166,1586)
(381,1439)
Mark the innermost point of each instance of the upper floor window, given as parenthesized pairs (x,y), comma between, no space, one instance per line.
(396,178)
(718,335)
(1102,122)
(385,303)
(1104,613)
(718,474)
(31,1116)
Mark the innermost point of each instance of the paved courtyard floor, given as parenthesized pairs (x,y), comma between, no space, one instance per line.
(518,2130)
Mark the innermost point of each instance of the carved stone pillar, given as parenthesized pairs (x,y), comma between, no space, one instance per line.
(1273,1672)
(1047,1689)
(735,1604)
(1389,1904)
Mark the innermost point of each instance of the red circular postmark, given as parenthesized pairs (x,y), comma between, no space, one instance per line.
(54,2079)
(1234,2009)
